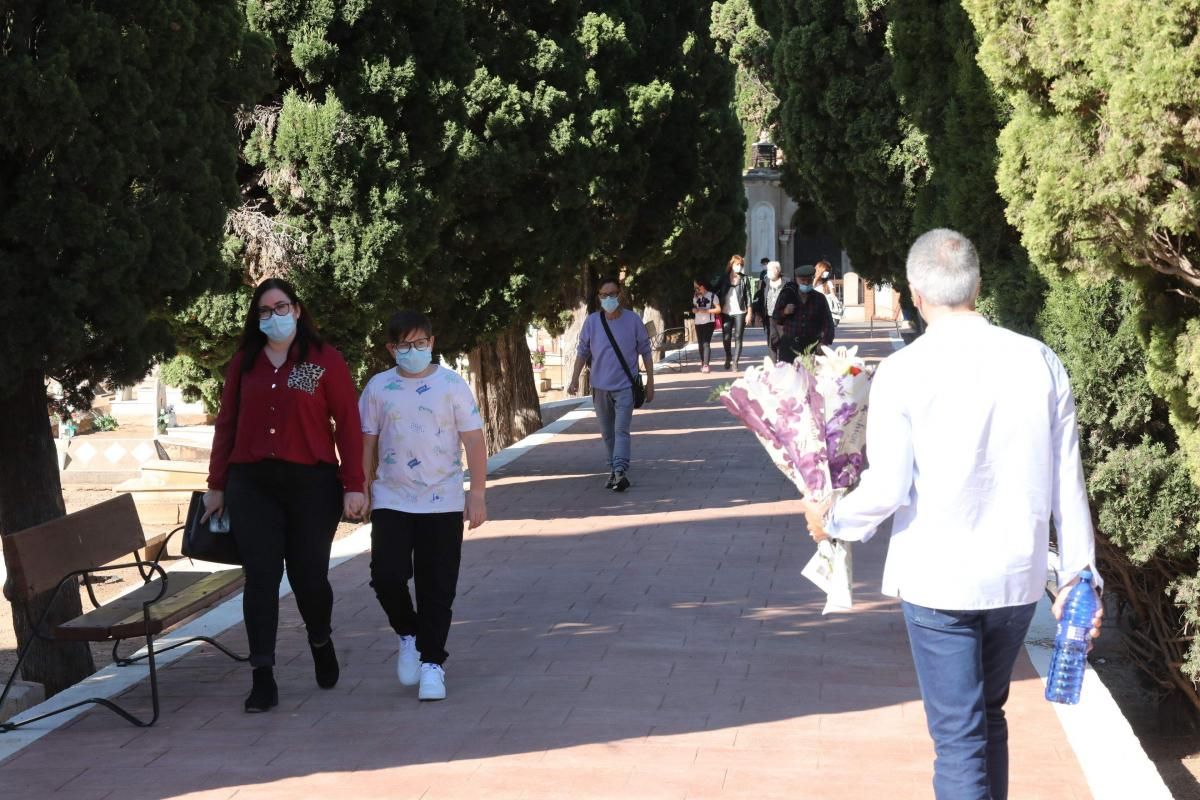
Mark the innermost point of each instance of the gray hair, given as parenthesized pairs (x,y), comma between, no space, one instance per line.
(774,267)
(944,267)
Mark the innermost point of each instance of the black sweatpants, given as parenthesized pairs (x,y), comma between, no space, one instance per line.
(283,513)
(704,334)
(428,549)
(733,328)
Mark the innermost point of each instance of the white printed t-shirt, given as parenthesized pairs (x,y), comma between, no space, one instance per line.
(418,422)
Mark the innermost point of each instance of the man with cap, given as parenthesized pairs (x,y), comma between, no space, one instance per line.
(802,318)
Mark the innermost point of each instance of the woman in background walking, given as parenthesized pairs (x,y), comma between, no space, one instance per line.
(733,293)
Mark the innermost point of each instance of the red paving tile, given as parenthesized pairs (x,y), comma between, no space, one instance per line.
(654,644)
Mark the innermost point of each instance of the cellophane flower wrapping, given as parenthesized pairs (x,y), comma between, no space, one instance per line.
(812,421)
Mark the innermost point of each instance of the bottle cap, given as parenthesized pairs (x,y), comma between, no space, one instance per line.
(1086,575)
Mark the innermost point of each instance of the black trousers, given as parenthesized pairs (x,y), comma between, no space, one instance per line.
(428,549)
(284,514)
(704,334)
(733,328)
(792,347)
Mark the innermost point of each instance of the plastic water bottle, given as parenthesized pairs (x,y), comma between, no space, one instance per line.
(1069,662)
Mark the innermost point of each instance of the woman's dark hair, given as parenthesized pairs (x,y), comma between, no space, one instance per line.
(608,279)
(702,283)
(406,321)
(254,340)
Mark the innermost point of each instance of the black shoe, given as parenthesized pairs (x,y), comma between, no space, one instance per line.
(264,694)
(326,664)
(612,480)
(621,483)
(726,365)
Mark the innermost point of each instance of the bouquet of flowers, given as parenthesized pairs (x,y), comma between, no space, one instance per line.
(812,421)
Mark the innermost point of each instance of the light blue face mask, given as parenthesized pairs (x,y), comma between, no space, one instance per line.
(610,304)
(414,360)
(804,288)
(277,328)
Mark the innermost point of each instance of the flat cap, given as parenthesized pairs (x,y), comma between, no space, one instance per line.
(805,271)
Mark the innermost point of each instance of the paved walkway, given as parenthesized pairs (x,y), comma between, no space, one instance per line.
(656,644)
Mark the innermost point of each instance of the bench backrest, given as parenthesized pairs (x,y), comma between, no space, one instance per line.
(39,557)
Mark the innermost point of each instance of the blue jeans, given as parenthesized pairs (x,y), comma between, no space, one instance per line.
(964,662)
(614,410)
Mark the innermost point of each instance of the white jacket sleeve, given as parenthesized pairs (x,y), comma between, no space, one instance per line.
(886,484)
(1069,502)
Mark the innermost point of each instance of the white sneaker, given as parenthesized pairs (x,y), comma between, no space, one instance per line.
(433,683)
(408,665)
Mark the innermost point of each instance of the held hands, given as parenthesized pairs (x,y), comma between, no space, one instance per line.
(354,505)
(814,517)
(475,510)
(1060,603)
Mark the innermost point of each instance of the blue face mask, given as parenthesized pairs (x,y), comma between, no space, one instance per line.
(277,328)
(610,304)
(414,360)
(804,288)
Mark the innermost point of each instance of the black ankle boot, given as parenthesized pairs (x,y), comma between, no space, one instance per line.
(264,694)
(325,664)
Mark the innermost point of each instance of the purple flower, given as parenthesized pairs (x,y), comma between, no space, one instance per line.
(749,411)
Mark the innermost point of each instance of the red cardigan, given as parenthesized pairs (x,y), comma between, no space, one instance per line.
(286,414)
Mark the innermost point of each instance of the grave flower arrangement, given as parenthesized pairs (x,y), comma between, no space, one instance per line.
(812,420)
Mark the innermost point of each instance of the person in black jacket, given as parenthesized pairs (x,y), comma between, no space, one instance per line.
(801,316)
(769,289)
(733,293)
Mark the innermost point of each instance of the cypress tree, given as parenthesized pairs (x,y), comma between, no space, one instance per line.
(349,162)
(853,159)
(118,156)
(946,97)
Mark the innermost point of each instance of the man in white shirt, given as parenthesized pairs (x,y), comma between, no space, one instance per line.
(972,445)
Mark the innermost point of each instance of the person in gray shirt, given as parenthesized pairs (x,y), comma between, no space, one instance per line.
(612,384)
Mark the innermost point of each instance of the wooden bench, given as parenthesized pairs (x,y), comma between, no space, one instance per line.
(51,556)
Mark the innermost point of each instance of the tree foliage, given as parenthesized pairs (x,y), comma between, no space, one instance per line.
(853,160)
(947,100)
(1100,160)
(1147,508)
(117,159)
(117,164)
(347,163)
(748,45)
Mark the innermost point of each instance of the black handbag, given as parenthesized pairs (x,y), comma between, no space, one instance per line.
(639,388)
(211,540)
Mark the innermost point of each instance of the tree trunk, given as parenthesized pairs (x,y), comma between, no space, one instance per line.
(502,371)
(30,494)
(584,291)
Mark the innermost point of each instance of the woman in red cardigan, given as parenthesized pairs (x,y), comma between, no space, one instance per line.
(288,401)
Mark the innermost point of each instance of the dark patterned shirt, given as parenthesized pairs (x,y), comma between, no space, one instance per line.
(810,321)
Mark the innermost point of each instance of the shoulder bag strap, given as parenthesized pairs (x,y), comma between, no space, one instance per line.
(616,349)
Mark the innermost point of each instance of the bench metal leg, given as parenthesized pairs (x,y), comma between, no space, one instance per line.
(125,662)
(5,727)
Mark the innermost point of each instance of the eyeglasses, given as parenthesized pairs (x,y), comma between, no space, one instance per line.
(420,344)
(610,294)
(280,309)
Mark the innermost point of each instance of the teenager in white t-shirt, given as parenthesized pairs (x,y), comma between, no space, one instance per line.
(417,418)
(705,308)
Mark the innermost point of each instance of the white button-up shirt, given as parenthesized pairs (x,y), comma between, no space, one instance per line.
(972,444)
